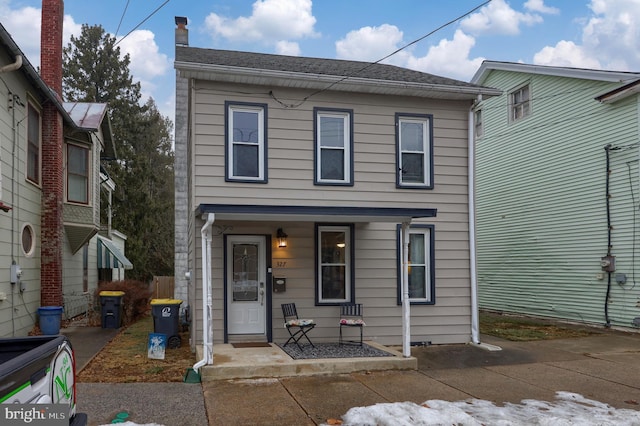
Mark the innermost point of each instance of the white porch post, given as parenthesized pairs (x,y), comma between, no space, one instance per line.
(207,302)
(406,310)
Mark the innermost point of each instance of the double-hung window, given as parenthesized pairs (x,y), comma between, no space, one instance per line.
(414,150)
(77,174)
(519,106)
(333,134)
(334,264)
(246,142)
(33,144)
(421,270)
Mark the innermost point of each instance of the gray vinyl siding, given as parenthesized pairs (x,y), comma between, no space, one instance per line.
(541,204)
(18,312)
(291,167)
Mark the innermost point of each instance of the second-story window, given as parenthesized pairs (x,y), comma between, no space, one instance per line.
(77,174)
(519,106)
(33,144)
(414,140)
(246,140)
(333,146)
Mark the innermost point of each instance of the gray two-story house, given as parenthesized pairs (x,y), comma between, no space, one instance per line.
(301,179)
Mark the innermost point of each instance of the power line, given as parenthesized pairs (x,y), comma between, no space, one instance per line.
(122,17)
(142,22)
(306,98)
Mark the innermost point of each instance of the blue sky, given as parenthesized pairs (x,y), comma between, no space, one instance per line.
(599,34)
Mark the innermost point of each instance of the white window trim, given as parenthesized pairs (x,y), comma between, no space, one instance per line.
(426,149)
(257,109)
(347,264)
(89,174)
(513,106)
(346,146)
(428,232)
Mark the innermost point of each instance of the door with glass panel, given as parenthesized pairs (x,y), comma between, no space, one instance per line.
(246,284)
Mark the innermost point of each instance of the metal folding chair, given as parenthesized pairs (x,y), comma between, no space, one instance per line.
(296,327)
(351,315)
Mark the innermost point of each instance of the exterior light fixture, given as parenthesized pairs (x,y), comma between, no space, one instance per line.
(282,238)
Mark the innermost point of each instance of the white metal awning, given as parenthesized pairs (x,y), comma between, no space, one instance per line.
(110,256)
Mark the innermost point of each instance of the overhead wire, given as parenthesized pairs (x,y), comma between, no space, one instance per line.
(370,64)
(122,17)
(142,22)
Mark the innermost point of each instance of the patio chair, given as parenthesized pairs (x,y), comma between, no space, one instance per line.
(297,327)
(351,315)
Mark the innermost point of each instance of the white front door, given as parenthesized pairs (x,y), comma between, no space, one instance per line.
(246,284)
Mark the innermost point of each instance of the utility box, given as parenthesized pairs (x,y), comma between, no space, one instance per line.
(111,308)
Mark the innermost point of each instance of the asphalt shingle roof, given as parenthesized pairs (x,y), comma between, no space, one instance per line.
(315,66)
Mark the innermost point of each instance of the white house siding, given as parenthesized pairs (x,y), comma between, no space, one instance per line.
(541,206)
(290,174)
(18,311)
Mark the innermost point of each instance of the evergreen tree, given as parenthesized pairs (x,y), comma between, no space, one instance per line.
(95,71)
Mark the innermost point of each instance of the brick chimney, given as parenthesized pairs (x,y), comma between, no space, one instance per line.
(182,33)
(52,233)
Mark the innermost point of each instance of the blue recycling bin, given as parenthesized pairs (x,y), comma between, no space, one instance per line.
(166,320)
(111,303)
(50,318)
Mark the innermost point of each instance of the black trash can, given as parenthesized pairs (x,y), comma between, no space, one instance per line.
(166,320)
(111,302)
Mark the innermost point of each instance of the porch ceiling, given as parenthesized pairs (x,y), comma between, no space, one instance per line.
(314,214)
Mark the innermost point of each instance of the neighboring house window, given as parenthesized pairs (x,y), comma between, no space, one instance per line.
(33,144)
(334,264)
(421,265)
(85,268)
(478,123)
(246,142)
(77,174)
(28,238)
(519,106)
(333,130)
(414,150)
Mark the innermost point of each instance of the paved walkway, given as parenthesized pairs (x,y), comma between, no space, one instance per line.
(604,367)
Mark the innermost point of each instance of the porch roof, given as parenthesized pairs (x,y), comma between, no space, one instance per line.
(314,214)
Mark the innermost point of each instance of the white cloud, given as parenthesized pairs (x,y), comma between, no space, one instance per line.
(289,48)
(609,39)
(369,43)
(566,54)
(539,6)
(498,18)
(146,60)
(271,22)
(449,58)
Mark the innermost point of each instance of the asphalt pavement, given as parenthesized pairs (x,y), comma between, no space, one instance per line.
(603,367)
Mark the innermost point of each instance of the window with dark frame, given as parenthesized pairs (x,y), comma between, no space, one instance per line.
(478,123)
(34,135)
(334,264)
(421,265)
(246,142)
(414,145)
(77,174)
(333,146)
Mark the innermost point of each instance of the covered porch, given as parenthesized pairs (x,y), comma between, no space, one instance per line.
(230,362)
(220,359)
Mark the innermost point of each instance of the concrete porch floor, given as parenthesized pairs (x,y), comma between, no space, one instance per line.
(246,363)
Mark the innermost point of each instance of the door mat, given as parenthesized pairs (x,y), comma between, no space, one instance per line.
(251,345)
(332,350)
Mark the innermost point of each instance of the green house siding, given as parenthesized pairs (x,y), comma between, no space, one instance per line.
(541,201)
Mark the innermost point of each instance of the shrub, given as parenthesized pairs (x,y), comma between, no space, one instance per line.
(135,302)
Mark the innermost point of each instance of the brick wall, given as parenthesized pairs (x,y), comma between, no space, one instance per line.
(52,157)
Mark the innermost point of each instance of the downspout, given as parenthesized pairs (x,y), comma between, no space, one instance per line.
(475,322)
(14,66)
(406,310)
(207,338)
